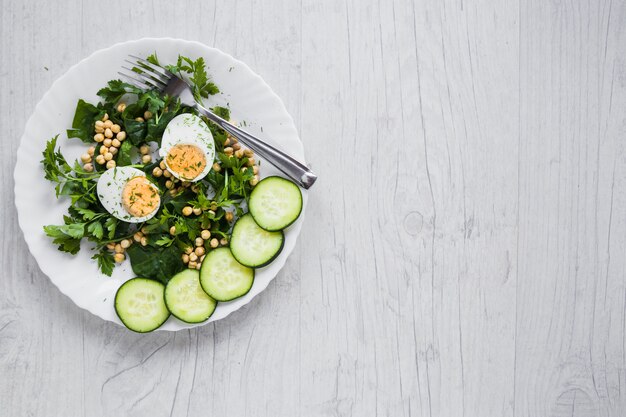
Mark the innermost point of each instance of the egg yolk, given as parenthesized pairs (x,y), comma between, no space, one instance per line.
(188,161)
(140,197)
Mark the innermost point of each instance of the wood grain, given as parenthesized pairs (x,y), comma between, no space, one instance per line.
(463,252)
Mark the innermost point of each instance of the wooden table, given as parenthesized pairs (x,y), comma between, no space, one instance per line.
(464,248)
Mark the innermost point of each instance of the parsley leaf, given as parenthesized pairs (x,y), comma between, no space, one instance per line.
(105,261)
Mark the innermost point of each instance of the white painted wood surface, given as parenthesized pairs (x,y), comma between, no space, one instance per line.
(463,252)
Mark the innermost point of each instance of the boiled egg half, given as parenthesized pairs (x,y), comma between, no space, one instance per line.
(127,194)
(188,148)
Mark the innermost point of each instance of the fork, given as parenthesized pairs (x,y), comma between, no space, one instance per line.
(156,77)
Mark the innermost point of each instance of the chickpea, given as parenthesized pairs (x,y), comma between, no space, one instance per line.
(197,211)
(255,169)
(193,257)
(144,149)
(205,234)
(195,189)
(186,184)
(199,241)
(223,241)
(111,164)
(113,150)
(100,159)
(107,142)
(100,124)
(254,181)
(103,150)
(98,137)
(91,150)
(111,246)
(193,265)
(116,143)
(99,130)
(108,133)
(173,192)
(119,257)
(211,212)
(162,165)
(244,169)
(157,172)
(108,156)
(145,230)
(139,119)
(239,154)
(185,258)
(105,117)
(199,265)
(85,158)
(167,174)
(107,124)
(146,159)
(121,107)
(147,115)
(232,138)
(169,184)
(202,258)
(121,136)
(237,147)
(137,237)
(248,153)
(144,241)
(116,128)
(217,167)
(213,206)
(188,250)
(118,248)
(229,216)
(88,167)
(187,210)
(199,250)
(226,142)
(214,243)
(228,151)
(125,244)
(250,162)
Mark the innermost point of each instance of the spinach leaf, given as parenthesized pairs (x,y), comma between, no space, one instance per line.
(84,118)
(123,156)
(158,263)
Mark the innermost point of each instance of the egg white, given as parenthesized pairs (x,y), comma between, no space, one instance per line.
(189,129)
(110,186)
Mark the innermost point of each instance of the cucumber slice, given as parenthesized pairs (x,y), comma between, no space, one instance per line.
(223,278)
(139,304)
(185,298)
(275,203)
(253,246)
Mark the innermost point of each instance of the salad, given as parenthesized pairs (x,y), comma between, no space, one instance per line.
(163,188)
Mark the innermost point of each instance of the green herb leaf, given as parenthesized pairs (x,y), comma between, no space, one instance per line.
(155,262)
(105,261)
(96,230)
(84,118)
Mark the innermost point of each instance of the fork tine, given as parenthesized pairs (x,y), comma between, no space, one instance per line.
(135,82)
(153,67)
(148,71)
(145,79)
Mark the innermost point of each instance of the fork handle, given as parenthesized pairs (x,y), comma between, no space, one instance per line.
(295,170)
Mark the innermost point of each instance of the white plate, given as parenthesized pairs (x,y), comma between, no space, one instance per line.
(249,98)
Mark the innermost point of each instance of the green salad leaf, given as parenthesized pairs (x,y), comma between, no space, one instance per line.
(160,263)
(84,117)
